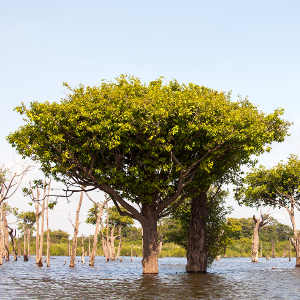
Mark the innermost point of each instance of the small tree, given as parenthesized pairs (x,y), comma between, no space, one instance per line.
(277,187)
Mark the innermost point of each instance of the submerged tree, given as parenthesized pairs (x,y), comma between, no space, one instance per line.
(143,144)
(259,224)
(277,187)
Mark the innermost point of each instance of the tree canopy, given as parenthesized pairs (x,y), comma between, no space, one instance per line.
(144,143)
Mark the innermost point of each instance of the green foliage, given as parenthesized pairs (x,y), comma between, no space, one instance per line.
(138,138)
(272,187)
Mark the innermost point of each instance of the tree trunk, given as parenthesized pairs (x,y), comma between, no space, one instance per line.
(48,231)
(104,246)
(19,247)
(37,235)
(74,242)
(197,236)
(82,249)
(150,240)
(95,241)
(273,249)
(40,263)
(6,235)
(267,255)
(24,250)
(289,249)
(255,243)
(112,243)
(296,244)
(28,242)
(120,242)
(285,251)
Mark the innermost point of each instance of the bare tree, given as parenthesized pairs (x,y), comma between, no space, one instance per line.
(76,227)
(259,223)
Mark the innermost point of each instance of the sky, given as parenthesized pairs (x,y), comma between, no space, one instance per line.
(249,47)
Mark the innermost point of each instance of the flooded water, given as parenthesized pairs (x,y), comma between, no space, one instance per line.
(229,278)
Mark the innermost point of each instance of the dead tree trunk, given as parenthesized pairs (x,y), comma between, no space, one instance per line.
(24,250)
(273,248)
(120,242)
(76,226)
(28,241)
(82,249)
(12,236)
(6,234)
(112,243)
(19,247)
(40,263)
(285,251)
(48,230)
(259,223)
(197,236)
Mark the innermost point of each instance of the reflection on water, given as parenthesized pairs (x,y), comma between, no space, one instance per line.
(229,278)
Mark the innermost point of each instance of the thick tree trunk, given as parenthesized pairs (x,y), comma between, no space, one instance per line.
(197,236)
(150,240)
(255,243)
(76,226)
(120,242)
(28,242)
(296,244)
(273,249)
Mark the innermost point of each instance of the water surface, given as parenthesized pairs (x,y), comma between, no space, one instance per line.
(229,278)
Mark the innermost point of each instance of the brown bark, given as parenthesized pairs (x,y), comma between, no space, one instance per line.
(197,236)
(273,249)
(76,226)
(259,223)
(12,236)
(150,240)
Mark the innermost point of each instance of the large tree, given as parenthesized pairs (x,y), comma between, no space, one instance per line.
(276,187)
(143,144)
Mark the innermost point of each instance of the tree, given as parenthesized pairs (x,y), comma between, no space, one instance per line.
(143,144)
(277,187)
(259,223)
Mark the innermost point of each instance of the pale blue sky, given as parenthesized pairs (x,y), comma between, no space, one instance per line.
(249,47)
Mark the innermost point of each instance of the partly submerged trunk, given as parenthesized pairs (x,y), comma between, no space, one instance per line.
(120,242)
(197,236)
(19,247)
(6,235)
(40,263)
(24,250)
(255,243)
(76,226)
(28,242)
(48,230)
(296,244)
(150,240)
(273,248)
(112,243)
(285,251)
(95,241)
(82,249)
(37,235)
